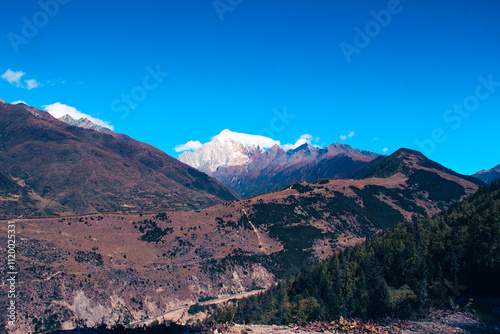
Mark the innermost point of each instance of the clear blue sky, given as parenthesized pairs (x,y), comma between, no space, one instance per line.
(264,56)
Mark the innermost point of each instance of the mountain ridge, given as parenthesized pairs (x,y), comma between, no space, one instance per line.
(62,168)
(395,162)
(255,170)
(84,123)
(488,175)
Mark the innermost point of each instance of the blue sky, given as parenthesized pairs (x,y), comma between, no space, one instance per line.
(391,74)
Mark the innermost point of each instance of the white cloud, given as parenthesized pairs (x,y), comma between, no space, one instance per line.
(31,83)
(385,150)
(245,139)
(59,110)
(227,135)
(14,78)
(344,137)
(375,138)
(18,102)
(306,138)
(189,146)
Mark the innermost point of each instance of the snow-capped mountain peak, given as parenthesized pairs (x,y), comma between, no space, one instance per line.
(226,149)
(221,152)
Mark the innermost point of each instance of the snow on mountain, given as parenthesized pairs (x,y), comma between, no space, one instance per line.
(227,149)
(84,123)
(240,161)
(221,152)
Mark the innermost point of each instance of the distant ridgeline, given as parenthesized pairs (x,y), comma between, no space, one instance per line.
(398,273)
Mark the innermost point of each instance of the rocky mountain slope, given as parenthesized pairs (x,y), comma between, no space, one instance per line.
(488,175)
(250,170)
(48,167)
(119,268)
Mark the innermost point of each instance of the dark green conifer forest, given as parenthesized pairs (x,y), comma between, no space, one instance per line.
(401,272)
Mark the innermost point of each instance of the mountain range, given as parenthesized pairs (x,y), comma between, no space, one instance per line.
(250,170)
(48,167)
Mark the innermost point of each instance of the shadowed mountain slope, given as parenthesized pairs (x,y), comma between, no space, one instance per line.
(489,175)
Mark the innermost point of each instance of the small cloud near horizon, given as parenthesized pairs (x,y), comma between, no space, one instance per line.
(189,146)
(305,138)
(344,137)
(59,110)
(14,78)
(385,150)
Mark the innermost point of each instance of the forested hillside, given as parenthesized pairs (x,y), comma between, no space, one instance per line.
(398,273)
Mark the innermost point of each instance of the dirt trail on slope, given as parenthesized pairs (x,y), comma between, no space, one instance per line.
(261,244)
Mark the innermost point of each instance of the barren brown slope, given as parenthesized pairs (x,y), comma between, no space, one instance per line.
(59,168)
(122,268)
